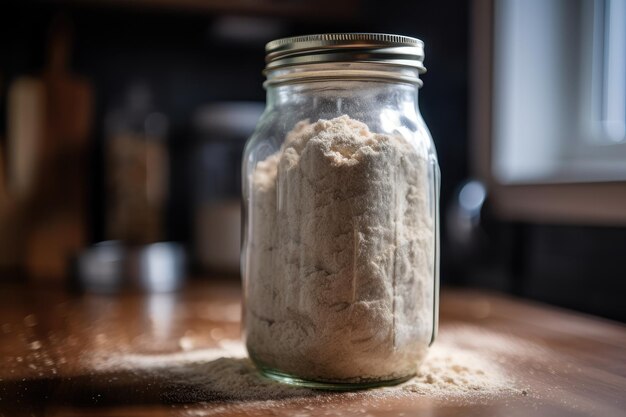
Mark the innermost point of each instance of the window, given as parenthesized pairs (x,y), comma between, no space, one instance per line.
(559,91)
(547,109)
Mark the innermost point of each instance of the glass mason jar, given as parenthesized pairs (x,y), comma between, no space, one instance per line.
(340,259)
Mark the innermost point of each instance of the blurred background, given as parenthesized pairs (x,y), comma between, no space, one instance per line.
(124,121)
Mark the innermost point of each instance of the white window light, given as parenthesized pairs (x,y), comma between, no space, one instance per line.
(559,91)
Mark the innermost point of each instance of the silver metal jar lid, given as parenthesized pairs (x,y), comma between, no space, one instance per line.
(346,47)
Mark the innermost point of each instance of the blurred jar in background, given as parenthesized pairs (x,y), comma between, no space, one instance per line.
(135,255)
(220,133)
(137,169)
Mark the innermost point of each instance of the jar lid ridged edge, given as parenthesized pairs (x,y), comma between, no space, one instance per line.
(345,47)
(392,40)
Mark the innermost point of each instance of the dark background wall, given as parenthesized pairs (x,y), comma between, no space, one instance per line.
(194,57)
(187,63)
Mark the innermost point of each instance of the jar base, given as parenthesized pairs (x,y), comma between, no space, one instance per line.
(329,386)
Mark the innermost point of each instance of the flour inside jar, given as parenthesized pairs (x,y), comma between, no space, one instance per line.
(340,255)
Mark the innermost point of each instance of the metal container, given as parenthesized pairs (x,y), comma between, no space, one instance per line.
(111,267)
(220,133)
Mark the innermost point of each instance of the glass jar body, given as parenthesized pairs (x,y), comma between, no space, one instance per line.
(340,235)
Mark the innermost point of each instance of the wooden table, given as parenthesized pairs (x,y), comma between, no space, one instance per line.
(133,355)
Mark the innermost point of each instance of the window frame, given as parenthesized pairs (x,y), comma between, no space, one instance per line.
(595,202)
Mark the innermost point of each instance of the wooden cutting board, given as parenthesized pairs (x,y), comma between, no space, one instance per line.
(49,122)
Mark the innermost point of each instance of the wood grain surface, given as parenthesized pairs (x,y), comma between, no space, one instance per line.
(135,355)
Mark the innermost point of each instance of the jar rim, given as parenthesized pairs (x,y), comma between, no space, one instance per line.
(345,47)
(328,75)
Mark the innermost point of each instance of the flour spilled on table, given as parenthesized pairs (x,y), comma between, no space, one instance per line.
(451,371)
(457,366)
